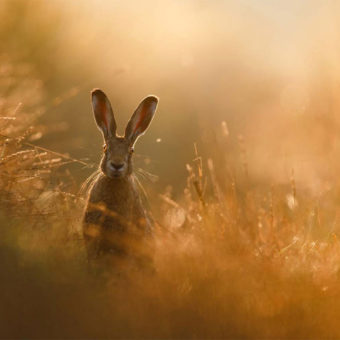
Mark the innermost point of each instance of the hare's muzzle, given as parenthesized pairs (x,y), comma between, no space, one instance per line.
(117,169)
(116,166)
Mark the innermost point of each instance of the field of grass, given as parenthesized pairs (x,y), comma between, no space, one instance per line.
(240,166)
(234,257)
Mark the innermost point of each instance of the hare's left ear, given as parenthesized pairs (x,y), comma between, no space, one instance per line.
(141,118)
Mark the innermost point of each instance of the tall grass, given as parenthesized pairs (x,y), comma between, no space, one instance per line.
(247,244)
(234,257)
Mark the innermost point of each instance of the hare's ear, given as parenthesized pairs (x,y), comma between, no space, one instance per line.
(103,113)
(141,118)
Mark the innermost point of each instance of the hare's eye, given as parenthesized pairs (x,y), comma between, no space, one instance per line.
(132,150)
(104,147)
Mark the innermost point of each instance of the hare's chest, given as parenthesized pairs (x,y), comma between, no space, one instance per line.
(120,208)
(112,206)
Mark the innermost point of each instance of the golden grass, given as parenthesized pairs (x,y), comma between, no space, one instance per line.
(234,258)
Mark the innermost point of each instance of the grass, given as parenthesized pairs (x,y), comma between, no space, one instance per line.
(234,257)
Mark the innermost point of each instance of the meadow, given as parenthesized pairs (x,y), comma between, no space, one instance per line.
(240,167)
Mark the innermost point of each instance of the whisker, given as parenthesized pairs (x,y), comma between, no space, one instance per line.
(147,175)
(88,183)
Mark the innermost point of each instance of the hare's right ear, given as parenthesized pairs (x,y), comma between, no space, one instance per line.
(103,113)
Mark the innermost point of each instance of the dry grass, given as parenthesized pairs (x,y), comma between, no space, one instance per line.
(234,258)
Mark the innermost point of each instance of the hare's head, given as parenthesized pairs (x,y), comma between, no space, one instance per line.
(116,161)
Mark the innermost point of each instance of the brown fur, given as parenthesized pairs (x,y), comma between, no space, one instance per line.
(115,220)
(114,217)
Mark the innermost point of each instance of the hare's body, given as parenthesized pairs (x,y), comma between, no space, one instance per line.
(115,219)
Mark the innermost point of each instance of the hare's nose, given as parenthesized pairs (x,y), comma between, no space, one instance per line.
(117,166)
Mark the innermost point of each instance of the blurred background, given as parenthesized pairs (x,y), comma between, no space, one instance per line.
(249,94)
(252,77)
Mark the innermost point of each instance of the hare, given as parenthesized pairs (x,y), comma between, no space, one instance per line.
(115,220)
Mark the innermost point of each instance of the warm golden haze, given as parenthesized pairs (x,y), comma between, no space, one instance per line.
(241,167)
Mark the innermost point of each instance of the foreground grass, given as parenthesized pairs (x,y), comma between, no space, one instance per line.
(234,266)
(204,287)
(234,258)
